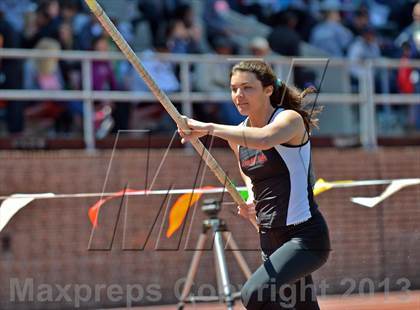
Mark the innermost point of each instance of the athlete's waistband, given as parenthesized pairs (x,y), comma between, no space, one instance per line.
(315,216)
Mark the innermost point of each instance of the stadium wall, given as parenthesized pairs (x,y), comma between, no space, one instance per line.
(45,261)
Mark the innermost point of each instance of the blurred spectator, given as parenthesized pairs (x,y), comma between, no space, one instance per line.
(359,21)
(68,40)
(14,12)
(411,34)
(183,34)
(11,77)
(91,30)
(284,39)
(45,74)
(161,71)
(378,12)
(214,15)
(214,77)
(366,47)
(409,39)
(125,28)
(306,21)
(71,71)
(406,83)
(30,28)
(260,9)
(363,47)
(103,78)
(69,68)
(259,47)
(153,116)
(330,35)
(157,13)
(406,75)
(52,7)
(71,13)
(46,24)
(401,14)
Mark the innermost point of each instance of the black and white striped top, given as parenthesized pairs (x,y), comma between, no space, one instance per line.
(281,179)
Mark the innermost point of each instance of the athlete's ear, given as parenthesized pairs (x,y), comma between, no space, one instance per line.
(269,90)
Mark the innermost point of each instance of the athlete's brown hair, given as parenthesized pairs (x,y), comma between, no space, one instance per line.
(288,97)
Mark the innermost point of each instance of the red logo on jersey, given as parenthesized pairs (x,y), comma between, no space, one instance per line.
(256,160)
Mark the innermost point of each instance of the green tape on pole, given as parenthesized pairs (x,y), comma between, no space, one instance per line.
(244,194)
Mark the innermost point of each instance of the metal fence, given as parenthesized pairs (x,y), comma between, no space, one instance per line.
(366,98)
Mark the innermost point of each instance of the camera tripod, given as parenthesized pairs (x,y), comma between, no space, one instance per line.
(218,227)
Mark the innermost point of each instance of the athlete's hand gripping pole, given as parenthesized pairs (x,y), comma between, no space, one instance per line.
(165,101)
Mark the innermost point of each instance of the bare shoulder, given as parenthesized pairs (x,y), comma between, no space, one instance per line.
(289,117)
(292,125)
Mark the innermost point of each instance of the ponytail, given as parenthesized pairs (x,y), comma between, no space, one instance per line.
(290,98)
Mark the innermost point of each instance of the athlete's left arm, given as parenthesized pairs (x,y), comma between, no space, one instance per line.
(280,131)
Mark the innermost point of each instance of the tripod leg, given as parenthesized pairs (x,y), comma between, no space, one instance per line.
(193,269)
(221,262)
(237,253)
(219,280)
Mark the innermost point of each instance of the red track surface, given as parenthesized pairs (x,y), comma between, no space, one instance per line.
(392,301)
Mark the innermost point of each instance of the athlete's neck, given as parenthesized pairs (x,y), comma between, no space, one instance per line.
(261,118)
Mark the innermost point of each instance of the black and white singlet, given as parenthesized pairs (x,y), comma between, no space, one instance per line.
(281,179)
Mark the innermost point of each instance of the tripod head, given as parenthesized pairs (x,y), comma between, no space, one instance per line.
(211,207)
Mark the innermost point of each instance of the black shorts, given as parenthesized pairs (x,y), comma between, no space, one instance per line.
(311,235)
(290,255)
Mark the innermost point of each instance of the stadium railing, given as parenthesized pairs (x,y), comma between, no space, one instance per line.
(366,97)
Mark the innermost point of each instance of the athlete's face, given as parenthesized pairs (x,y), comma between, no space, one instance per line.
(248,94)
